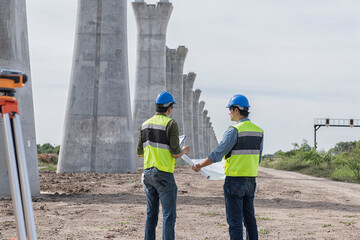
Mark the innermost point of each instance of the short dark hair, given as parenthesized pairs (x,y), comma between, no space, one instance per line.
(244,113)
(161,109)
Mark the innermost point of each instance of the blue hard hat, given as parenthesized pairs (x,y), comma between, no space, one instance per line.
(165,98)
(239,101)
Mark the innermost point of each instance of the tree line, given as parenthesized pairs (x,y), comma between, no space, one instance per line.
(48,148)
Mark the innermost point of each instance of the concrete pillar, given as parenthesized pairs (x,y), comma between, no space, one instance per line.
(150,77)
(201,132)
(189,80)
(209,130)
(207,135)
(175,59)
(213,139)
(98,129)
(205,113)
(196,96)
(14,53)
(210,137)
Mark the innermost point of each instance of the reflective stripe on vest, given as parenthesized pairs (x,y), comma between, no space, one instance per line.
(155,143)
(243,159)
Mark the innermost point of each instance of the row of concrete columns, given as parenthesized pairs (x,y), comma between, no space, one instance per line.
(99,133)
(197,128)
(160,68)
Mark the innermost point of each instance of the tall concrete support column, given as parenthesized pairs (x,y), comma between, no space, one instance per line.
(175,59)
(210,133)
(213,139)
(207,135)
(189,80)
(204,129)
(98,129)
(150,77)
(201,132)
(14,53)
(196,96)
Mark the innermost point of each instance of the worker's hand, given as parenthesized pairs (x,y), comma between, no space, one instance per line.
(185,149)
(196,167)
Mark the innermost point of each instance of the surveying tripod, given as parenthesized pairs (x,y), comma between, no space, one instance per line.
(16,160)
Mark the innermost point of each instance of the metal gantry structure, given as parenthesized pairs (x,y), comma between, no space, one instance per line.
(330,122)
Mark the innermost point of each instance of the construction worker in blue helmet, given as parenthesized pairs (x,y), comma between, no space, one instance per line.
(241,147)
(159,145)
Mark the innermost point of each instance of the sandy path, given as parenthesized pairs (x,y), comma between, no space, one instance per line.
(305,207)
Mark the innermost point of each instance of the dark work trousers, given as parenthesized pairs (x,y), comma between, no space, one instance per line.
(239,202)
(160,187)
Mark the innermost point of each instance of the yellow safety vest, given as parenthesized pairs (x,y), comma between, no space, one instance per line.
(243,159)
(156,145)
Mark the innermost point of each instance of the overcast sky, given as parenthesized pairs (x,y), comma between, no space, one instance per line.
(295,60)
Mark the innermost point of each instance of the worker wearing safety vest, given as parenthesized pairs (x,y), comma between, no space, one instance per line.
(159,145)
(242,147)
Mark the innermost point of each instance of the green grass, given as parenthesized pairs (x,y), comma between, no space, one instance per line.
(348,223)
(263,231)
(317,170)
(324,170)
(46,166)
(265,218)
(326,225)
(209,214)
(131,181)
(107,228)
(122,223)
(343,173)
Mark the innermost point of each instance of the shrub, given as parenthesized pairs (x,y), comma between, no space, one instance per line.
(48,158)
(341,162)
(353,162)
(342,147)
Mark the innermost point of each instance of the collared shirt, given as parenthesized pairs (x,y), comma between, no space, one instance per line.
(228,142)
(172,134)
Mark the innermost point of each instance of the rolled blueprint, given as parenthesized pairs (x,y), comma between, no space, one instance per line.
(213,172)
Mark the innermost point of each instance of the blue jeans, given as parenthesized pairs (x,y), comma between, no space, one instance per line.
(160,186)
(239,201)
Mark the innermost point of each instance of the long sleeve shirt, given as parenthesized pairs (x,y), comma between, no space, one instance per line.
(227,143)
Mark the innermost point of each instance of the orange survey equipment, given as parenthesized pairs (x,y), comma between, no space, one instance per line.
(10,80)
(15,152)
(8,105)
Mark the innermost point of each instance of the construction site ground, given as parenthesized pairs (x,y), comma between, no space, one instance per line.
(113,206)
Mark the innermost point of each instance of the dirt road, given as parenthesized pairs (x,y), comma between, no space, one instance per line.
(112,206)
